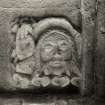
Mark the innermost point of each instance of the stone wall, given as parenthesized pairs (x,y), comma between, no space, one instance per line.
(10,10)
(52,52)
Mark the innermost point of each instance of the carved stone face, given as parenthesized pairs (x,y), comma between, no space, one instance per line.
(56,51)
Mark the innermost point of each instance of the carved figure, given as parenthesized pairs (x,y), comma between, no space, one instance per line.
(57,58)
(53,61)
(23,55)
(57,53)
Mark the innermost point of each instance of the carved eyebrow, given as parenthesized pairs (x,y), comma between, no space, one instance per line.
(48,43)
(64,41)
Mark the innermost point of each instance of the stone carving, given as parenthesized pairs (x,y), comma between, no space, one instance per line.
(57,53)
(24,43)
(46,54)
(23,55)
(57,59)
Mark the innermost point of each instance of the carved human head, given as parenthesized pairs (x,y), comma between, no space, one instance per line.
(55,50)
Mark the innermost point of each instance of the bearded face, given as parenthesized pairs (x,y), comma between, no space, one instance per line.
(56,53)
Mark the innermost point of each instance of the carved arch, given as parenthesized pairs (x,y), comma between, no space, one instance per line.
(46,24)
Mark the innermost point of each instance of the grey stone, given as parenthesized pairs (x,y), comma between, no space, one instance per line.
(88,10)
(52,43)
(27,66)
(60,81)
(100,50)
(24,43)
(44,51)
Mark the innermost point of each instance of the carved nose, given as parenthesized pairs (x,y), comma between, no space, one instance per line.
(57,55)
(58,50)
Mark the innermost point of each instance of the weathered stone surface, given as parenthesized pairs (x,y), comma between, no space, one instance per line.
(76,81)
(88,10)
(55,50)
(29,100)
(60,81)
(46,7)
(10,11)
(27,66)
(37,3)
(22,40)
(4,51)
(20,81)
(68,8)
(41,81)
(7,101)
(43,99)
(100,49)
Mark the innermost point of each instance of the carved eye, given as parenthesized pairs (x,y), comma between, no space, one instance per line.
(63,45)
(48,47)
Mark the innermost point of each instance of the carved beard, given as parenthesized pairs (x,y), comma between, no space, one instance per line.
(47,69)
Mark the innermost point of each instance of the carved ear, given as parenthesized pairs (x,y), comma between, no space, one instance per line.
(61,23)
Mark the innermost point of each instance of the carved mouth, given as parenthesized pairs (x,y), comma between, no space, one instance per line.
(57,63)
